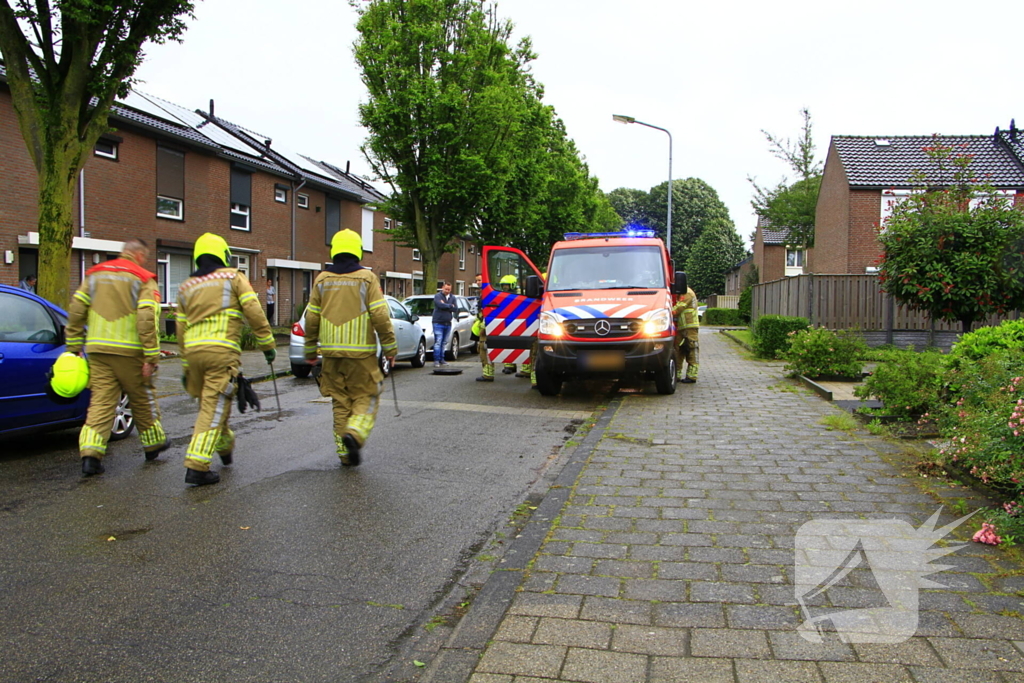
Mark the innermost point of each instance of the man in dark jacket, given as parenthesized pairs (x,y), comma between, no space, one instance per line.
(444,307)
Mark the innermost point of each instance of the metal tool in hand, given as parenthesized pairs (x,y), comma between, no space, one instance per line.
(394,394)
(273,377)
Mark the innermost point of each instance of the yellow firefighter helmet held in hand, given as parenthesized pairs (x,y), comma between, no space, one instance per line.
(347,242)
(214,245)
(68,377)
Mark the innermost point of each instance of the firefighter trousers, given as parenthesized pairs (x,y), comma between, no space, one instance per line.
(354,385)
(486,366)
(211,378)
(689,351)
(109,375)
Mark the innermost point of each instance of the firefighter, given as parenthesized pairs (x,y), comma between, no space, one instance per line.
(687,336)
(346,315)
(114,315)
(508,284)
(213,304)
(530,366)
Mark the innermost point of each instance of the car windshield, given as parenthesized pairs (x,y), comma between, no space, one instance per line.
(606,267)
(422,306)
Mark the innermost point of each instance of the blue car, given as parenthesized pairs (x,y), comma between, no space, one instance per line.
(31,338)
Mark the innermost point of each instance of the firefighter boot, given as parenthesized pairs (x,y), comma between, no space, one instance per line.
(153,454)
(201,478)
(352,455)
(91,466)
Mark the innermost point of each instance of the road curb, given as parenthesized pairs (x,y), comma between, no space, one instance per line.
(458,657)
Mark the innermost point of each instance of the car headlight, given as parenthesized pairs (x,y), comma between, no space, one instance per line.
(550,326)
(657,322)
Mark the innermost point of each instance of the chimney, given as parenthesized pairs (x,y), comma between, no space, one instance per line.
(348,164)
(1013,129)
(211,108)
(267,142)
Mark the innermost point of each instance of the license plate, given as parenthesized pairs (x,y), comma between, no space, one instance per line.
(603,360)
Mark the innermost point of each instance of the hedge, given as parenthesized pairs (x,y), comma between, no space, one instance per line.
(771,333)
(722,316)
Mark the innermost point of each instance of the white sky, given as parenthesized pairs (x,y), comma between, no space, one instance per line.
(714,73)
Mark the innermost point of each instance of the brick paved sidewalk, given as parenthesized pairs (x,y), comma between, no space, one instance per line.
(673,559)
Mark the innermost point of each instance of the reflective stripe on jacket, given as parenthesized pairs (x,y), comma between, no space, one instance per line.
(213,309)
(685,311)
(346,315)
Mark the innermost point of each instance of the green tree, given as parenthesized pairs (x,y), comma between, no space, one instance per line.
(444,115)
(955,250)
(718,249)
(792,205)
(630,205)
(66,62)
(695,206)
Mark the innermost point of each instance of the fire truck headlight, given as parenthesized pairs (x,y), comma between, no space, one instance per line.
(658,322)
(550,326)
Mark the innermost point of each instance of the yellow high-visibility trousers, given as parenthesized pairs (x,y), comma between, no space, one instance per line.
(211,378)
(109,375)
(354,385)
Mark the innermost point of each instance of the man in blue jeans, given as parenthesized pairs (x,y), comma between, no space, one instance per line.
(444,307)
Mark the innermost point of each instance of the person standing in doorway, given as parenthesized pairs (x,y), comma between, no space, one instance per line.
(28,284)
(444,308)
(271,300)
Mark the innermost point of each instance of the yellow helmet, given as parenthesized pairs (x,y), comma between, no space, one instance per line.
(214,245)
(507,280)
(347,242)
(544,276)
(69,376)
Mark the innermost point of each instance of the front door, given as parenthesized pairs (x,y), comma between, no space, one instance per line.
(511,318)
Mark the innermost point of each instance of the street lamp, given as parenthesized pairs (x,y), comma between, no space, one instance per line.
(668,222)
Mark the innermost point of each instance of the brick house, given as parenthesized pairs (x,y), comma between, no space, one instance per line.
(167,174)
(865,175)
(773,256)
(737,275)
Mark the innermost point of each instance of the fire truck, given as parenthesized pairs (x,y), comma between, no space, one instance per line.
(604,311)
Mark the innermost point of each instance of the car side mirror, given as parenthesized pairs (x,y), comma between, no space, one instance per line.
(679,286)
(534,287)
(414,318)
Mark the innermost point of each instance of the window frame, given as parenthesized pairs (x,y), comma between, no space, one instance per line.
(416,255)
(181,208)
(302,200)
(245,211)
(114,146)
(280,195)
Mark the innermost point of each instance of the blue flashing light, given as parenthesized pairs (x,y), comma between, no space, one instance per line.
(629,232)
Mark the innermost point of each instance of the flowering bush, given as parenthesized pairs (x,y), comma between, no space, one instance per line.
(822,352)
(908,383)
(985,423)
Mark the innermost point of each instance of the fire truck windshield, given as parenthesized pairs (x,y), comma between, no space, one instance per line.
(606,267)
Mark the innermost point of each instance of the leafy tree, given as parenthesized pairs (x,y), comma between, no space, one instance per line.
(66,62)
(695,206)
(957,251)
(630,205)
(793,205)
(445,111)
(717,250)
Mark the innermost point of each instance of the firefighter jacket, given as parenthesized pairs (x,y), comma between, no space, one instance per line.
(213,308)
(115,311)
(685,311)
(346,315)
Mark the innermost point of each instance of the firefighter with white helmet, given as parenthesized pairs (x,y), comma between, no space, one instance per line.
(346,315)
(213,305)
(113,315)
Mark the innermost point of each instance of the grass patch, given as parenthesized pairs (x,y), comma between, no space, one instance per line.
(744,336)
(842,421)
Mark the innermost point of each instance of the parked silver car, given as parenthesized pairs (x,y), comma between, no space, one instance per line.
(412,346)
(462,324)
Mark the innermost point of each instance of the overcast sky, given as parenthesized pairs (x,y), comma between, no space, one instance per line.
(714,74)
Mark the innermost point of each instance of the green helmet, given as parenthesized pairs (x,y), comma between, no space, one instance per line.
(347,242)
(213,245)
(68,377)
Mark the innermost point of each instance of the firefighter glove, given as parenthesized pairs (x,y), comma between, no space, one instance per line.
(270,355)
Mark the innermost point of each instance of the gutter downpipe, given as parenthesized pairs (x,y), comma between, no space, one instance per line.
(295,199)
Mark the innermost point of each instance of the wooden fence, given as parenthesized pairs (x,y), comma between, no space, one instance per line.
(841,302)
(724,301)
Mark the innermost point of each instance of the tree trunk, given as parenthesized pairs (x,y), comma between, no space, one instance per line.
(56,230)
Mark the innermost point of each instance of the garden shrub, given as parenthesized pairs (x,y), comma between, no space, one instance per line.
(722,316)
(822,352)
(744,305)
(771,333)
(908,383)
(984,341)
(984,421)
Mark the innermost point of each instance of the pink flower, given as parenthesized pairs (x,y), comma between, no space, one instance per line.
(987,535)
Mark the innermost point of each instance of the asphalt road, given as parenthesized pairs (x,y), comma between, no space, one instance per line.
(290,569)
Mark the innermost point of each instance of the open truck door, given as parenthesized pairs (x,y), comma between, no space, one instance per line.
(511,318)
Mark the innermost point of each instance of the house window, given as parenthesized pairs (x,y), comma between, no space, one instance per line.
(387,223)
(281,194)
(302,201)
(241,261)
(239,217)
(105,148)
(332,217)
(462,256)
(170,183)
(241,199)
(460,287)
(169,207)
(794,258)
(416,255)
(367,229)
(172,270)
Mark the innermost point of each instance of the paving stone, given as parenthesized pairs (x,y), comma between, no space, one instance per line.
(584,584)
(607,523)
(763,617)
(689,614)
(564,564)
(719,591)
(990,626)
(516,629)
(917,651)
(689,570)
(654,589)
(599,666)
(677,669)
(753,573)
(758,671)
(544,605)
(540,582)
(490,678)
(715,642)
(791,645)
(974,653)
(657,553)
(522,659)
(617,611)
(857,672)
(650,640)
(631,538)
(625,569)
(734,555)
(598,550)
(573,633)
(926,674)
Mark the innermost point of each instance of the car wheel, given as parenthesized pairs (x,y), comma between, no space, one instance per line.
(124,421)
(548,383)
(453,352)
(420,359)
(665,379)
(385,366)
(301,371)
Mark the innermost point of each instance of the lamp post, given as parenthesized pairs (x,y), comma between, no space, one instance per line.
(668,221)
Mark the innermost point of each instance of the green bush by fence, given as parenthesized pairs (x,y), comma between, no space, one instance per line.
(820,352)
(722,316)
(746,296)
(908,383)
(771,334)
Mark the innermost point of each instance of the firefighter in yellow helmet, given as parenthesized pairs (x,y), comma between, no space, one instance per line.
(534,350)
(509,284)
(687,336)
(347,313)
(213,305)
(114,315)
(480,330)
